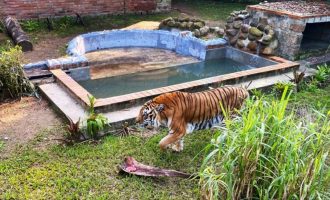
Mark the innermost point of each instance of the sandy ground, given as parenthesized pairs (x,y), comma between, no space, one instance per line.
(21,121)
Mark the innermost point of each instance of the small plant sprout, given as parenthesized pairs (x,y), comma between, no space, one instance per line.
(95,122)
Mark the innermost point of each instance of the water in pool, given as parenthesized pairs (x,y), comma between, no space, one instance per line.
(125,84)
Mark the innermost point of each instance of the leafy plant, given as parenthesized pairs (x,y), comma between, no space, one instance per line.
(13,82)
(95,122)
(256,93)
(267,153)
(322,73)
(31,25)
(279,87)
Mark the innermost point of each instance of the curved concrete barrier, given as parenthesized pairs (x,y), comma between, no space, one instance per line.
(181,42)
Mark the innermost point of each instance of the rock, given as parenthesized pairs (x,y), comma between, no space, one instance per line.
(240,44)
(274,44)
(233,41)
(244,12)
(177,24)
(254,22)
(251,37)
(242,36)
(5,138)
(183,25)
(220,32)
(266,39)
(167,20)
(197,33)
(242,17)
(190,25)
(252,46)
(261,27)
(231,32)
(214,29)
(236,12)
(245,28)
(198,25)
(229,26)
(255,32)
(237,24)
(230,19)
(267,28)
(175,19)
(270,32)
(267,51)
(204,31)
(171,23)
(263,20)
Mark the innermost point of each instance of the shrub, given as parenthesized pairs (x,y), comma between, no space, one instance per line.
(13,82)
(279,88)
(95,122)
(267,153)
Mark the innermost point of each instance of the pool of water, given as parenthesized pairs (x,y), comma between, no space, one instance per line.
(125,84)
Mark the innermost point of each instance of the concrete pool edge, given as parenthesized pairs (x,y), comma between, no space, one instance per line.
(129,100)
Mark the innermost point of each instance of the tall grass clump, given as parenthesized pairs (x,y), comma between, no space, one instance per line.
(267,153)
(13,82)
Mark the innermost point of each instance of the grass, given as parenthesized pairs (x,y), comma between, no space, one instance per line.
(67,26)
(211,10)
(89,171)
(269,152)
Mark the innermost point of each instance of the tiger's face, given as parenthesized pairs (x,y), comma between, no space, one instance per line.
(149,115)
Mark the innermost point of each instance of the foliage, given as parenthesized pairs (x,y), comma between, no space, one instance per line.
(279,88)
(31,25)
(322,73)
(256,93)
(95,122)
(268,153)
(13,82)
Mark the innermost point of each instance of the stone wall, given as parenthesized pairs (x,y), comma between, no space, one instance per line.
(24,9)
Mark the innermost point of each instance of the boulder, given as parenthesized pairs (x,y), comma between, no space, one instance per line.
(190,25)
(232,41)
(267,28)
(245,28)
(204,30)
(231,32)
(255,32)
(267,51)
(274,44)
(229,26)
(242,36)
(240,44)
(171,23)
(197,33)
(252,46)
(237,24)
(261,27)
(230,19)
(198,25)
(183,25)
(263,20)
(266,39)
(220,32)
(251,37)
(254,22)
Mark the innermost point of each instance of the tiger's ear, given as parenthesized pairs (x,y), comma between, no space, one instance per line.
(160,107)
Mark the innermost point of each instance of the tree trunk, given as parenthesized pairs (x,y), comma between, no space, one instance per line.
(19,36)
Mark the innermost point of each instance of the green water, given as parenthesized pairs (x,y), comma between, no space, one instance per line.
(125,84)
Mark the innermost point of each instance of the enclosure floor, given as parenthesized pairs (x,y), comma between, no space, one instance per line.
(121,61)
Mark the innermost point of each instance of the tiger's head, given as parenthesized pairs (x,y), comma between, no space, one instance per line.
(149,115)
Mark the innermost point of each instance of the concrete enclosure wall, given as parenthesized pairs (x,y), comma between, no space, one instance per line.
(181,43)
(23,9)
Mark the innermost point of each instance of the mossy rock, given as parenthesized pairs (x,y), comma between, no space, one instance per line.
(198,25)
(165,21)
(183,25)
(266,39)
(237,24)
(267,29)
(171,23)
(190,25)
(255,32)
(177,24)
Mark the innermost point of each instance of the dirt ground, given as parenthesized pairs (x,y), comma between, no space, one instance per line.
(21,121)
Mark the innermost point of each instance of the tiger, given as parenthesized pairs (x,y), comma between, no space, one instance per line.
(184,112)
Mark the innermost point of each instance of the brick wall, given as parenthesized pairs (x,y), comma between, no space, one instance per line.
(24,9)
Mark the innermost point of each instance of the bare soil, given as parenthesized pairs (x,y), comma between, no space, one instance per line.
(47,46)
(22,121)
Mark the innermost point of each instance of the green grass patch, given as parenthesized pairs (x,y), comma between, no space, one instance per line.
(211,10)
(67,26)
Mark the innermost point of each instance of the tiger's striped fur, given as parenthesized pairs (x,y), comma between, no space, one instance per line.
(184,112)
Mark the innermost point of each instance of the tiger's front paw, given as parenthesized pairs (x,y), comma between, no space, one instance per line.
(177,147)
